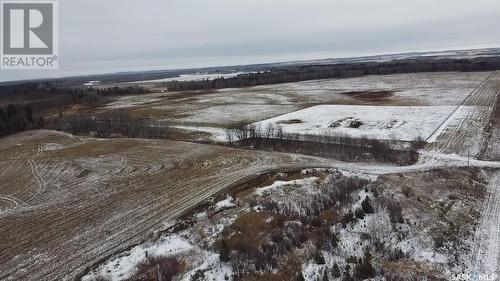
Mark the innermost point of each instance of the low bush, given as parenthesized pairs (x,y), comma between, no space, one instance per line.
(365,269)
(359,213)
(408,191)
(395,212)
(348,217)
(158,268)
(367,206)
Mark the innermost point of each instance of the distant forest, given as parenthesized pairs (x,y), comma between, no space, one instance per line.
(290,74)
(26,107)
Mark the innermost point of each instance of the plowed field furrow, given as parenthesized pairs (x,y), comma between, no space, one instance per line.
(464,130)
(91,198)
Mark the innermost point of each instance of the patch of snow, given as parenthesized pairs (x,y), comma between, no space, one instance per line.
(217,134)
(360,175)
(52,146)
(225,204)
(454,160)
(201,215)
(124,266)
(278,184)
(281,175)
(191,77)
(312,271)
(213,269)
(310,171)
(350,243)
(91,83)
(220,272)
(405,123)
(169,224)
(429,256)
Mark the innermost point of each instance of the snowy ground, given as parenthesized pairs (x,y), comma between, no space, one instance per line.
(183,245)
(486,257)
(218,135)
(445,89)
(208,224)
(465,130)
(230,107)
(414,237)
(105,195)
(279,184)
(378,122)
(123,266)
(405,123)
(131,188)
(132,101)
(124,181)
(191,77)
(231,114)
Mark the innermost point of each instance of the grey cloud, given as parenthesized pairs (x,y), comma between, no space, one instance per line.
(112,35)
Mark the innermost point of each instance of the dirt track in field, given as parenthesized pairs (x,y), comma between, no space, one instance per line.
(486,253)
(66,202)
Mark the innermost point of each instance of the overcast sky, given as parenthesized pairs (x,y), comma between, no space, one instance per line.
(98,36)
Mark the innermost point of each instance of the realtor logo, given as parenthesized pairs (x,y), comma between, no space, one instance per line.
(29,35)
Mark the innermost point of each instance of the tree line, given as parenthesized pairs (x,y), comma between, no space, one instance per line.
(288,74)
(337,146)
(28,106)
(116,124)
(18,118)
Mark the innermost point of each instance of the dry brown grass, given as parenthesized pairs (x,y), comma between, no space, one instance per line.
(252,228)
(329,216)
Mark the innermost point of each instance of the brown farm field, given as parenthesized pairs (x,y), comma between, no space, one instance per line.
(67,202)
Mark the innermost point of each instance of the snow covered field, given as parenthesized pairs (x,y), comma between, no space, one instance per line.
(132,101)
(405,123)
(466,129)
(231,114)
(445,89)
(191,77)
(230,107)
